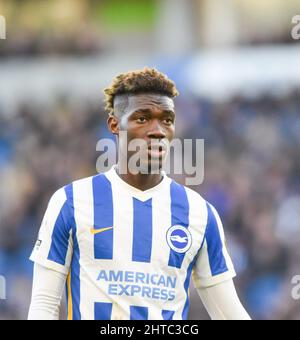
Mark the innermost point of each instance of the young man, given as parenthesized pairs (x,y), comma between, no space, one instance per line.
(126,242)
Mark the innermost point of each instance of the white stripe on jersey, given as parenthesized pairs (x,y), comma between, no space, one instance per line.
(83,203)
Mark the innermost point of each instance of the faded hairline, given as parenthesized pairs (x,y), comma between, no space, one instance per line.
(121,101)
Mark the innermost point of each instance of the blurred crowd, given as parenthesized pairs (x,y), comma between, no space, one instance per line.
(252,166)
(29,43)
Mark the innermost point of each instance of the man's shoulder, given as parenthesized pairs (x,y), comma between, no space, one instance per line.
(192,194)
(68,189)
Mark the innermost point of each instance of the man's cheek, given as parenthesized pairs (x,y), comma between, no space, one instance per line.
(171,134)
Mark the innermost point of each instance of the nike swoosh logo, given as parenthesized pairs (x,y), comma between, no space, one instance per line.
(97,231)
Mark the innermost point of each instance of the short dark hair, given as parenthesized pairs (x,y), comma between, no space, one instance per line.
(148,80)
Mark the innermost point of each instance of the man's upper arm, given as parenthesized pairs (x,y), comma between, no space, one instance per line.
(213,264)
(47,289)
(222,302)
(53,248)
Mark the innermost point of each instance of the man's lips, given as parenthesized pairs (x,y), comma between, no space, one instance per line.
(157,150)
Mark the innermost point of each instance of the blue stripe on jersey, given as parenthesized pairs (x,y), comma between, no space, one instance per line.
(180,216)
(60,237)
(75,269)
(103,217)
(102,311)
(186,307)
(167,314)
(138,313)
(142,231)
(214,244)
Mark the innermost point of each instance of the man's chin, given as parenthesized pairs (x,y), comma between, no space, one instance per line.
(150,167)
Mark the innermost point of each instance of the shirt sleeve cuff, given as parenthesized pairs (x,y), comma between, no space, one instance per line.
(213,280)
(49,264)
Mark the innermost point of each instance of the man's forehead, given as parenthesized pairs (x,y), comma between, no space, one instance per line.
(151,99)
(145,100)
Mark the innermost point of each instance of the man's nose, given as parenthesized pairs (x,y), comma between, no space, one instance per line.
(156,131)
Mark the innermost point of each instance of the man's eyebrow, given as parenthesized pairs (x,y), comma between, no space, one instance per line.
(148,111)
(169,112)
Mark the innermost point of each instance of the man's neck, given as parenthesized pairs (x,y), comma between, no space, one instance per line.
(141,181)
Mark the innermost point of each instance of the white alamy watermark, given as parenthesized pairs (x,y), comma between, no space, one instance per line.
(295,32)
(180,157)
(2,27)
(2,288)
(296,287)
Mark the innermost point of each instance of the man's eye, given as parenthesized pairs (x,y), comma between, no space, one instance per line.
(169,121)
(141,119)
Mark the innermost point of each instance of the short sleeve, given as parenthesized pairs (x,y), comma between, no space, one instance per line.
(213,264)
(53,248)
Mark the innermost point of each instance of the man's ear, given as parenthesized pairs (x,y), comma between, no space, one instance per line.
(113,124)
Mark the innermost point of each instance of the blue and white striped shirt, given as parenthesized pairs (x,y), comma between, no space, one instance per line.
(130,254)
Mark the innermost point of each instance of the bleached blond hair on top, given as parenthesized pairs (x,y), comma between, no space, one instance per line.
(147,80)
